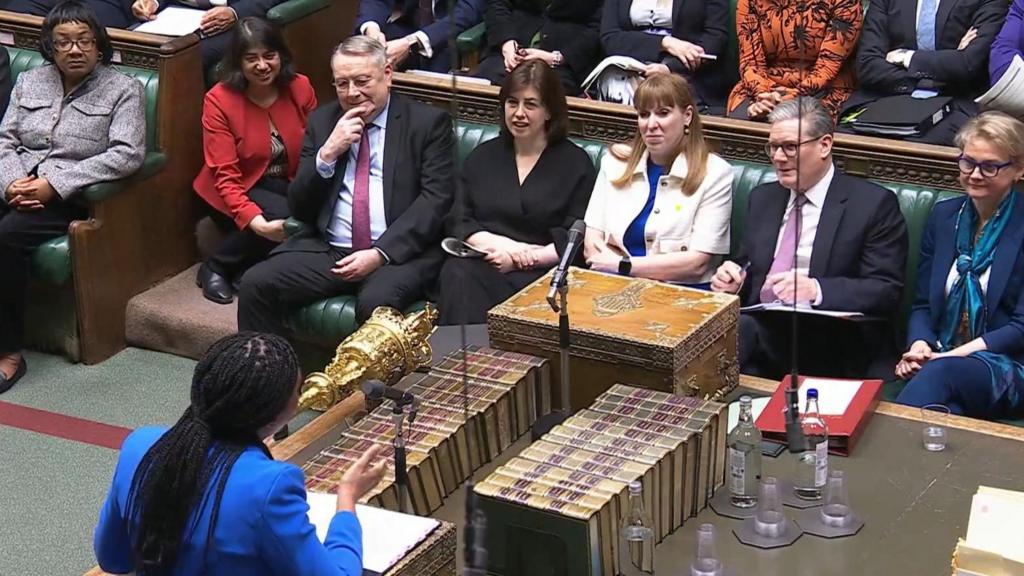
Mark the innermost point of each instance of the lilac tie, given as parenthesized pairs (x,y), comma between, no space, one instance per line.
(361,239)
(787,248)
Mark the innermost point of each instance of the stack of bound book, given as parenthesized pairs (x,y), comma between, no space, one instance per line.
(507,392)
(560,501)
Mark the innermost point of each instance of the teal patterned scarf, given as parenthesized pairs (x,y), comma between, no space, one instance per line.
(966,299)
(964,317)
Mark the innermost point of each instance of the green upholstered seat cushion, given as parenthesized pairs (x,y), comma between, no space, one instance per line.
(52,261)
(472,39)
(292,10)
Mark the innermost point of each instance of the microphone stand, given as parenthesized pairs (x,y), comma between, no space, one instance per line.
(544,424)
(401,469)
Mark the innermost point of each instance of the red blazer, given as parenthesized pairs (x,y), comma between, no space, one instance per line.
(236,144)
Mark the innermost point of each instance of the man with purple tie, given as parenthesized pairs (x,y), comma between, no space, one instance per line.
(822,240)
(373,186)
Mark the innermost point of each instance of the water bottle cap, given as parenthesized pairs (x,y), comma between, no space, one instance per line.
(745,399)
(635,487)
(812,392)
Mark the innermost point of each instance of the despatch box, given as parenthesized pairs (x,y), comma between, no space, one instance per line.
(631,330)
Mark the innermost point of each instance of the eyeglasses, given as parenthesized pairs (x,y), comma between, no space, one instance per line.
(967,165)
(64,44)
(361,83)
(789,148)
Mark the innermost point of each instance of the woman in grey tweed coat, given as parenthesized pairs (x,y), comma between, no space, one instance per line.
(74,122)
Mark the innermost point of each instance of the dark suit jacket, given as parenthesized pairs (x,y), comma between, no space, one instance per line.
(704,23)
(570,26)
(418,180)
(860,248)
(110,13)
(892,24)
(1004,298)
(466,14)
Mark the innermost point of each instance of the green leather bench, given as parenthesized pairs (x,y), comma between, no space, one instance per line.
(52,321)
(329,321)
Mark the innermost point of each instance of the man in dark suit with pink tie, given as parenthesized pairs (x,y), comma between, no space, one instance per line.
(374,183)
(848,241)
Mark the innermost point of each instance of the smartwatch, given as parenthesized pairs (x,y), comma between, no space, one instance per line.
(625,266)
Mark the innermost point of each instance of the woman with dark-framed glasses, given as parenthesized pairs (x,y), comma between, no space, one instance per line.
(966,330)
(74,122)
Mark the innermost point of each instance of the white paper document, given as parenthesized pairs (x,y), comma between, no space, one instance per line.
(387,536)
(834,396)
(173,21)
(800,309)
(1008,93)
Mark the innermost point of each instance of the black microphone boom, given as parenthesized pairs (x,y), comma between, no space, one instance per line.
(572,248)
(377,390)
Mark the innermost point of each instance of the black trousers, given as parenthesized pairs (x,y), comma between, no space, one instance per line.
(492,67)
(244,248)
(20,234)
(828,347)
(469,287)
(289,280)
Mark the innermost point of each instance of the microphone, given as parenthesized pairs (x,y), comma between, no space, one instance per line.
(377,390)
(572,248)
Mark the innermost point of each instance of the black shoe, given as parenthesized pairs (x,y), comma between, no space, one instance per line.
(216,288)
(6,383)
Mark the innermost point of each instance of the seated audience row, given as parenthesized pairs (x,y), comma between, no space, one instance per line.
(74,122)
(938,52)
(220,16)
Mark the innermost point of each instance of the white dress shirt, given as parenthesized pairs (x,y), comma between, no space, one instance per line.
(339,231)
(810,216)
(655,15)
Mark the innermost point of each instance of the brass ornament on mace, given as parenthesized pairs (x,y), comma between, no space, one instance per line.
(387,347)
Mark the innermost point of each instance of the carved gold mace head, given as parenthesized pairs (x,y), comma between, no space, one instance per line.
(387,347)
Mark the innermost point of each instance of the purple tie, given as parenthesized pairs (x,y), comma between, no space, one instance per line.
(361,239)
(787,248)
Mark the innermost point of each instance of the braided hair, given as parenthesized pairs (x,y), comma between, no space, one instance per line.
(242,384)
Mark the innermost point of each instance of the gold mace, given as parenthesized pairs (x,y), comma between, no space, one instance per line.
(386,347)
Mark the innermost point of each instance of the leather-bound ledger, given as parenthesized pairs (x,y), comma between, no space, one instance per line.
(845,405)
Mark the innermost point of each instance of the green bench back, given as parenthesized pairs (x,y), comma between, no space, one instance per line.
(915,202)
(22,59)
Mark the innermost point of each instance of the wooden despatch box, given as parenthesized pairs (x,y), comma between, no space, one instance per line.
(631,330)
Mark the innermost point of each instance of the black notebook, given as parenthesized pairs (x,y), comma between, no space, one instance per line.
(902,115)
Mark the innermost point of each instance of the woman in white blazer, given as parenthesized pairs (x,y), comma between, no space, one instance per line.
(661,207)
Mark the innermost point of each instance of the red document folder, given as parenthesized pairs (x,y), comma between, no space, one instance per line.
(843,430)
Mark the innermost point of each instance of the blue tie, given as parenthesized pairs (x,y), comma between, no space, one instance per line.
(926,25)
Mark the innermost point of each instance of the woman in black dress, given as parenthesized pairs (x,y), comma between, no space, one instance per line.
(520,194)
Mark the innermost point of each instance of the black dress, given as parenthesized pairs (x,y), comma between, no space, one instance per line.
(540,211)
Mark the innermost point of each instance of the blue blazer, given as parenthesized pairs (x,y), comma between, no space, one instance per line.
(1004,297)
(262,528)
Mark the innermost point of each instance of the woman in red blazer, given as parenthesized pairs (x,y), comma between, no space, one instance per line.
(253,122)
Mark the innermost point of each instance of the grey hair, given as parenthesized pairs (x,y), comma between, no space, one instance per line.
(816,118)
(362,46)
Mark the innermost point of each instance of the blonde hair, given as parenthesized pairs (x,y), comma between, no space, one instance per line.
(997,128)
(668,90)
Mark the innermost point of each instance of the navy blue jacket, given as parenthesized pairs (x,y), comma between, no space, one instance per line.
(1004,297)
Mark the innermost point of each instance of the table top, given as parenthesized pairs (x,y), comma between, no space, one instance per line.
(915,503)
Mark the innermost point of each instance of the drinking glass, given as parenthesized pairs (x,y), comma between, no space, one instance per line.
(934,417)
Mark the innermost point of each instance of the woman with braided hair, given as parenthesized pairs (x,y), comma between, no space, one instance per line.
(207,497)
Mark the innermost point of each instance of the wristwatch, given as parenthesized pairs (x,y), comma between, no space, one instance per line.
(558,58)
(625,266)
